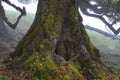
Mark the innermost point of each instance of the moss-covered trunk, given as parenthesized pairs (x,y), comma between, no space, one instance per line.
(57,46)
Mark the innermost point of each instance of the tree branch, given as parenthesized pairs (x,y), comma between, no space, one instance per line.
(22,11)
(114,37)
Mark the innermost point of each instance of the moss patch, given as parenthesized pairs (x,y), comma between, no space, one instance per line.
(45,68)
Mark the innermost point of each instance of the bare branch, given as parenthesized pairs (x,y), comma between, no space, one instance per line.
(22,11)
(114,37)
(84,6)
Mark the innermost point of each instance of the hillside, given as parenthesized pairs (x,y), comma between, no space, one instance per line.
(109,48)
(9,43)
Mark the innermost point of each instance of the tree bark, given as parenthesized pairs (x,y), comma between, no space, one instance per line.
(58,37)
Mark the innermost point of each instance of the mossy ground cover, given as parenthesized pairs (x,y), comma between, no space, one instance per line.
(45,68)
(40,67)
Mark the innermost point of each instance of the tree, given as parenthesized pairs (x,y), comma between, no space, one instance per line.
(57,46)
(3,29)
(102,9)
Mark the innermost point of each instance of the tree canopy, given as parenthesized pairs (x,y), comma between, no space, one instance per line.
(101,9)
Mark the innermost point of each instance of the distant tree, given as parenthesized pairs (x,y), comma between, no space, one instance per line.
(101,9)
(22,11)
(3,18)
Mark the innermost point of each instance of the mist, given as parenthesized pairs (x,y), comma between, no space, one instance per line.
(31,8)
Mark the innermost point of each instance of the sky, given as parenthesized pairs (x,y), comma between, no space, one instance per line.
(31,8)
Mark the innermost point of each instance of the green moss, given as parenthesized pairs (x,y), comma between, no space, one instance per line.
(73,12)
(75,70)
(53,5)
(45,45)
(94,52)
(50,25)
(41,67)
(105,75)
(4,77)
(66,77)
(44,68)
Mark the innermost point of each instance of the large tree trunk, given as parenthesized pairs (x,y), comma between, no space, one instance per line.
(56,43)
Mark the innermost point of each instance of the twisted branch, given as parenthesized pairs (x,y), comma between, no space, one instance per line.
(22,11)
(99,13)
(114,37)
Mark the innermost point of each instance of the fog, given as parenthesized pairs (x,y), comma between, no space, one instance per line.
(31,8)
